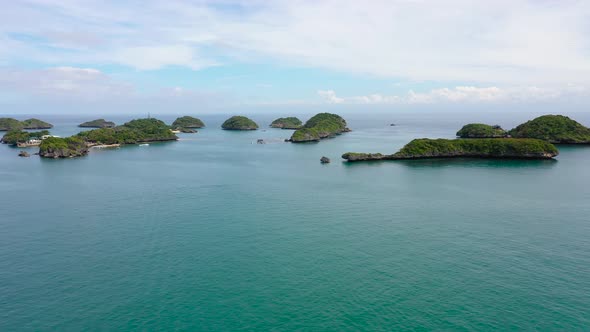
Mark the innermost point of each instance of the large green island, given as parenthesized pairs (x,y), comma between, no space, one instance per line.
(132,132)
(557,129)
(69,147)
(239,123)
(7,124)
(320,126)
(14,137)
(484,148)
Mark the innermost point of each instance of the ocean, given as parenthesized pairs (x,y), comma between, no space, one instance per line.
(217,233)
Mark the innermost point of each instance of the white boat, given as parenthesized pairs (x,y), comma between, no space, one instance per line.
(144,144)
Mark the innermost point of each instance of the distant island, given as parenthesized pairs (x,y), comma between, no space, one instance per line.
(557,129)
(320,126)
(132,132)
(486,148)
(239,123)
(7,124)
(98,123)
(287,123)
(187,122)
(480,130)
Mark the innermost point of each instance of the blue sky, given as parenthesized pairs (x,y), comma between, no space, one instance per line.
(231,54)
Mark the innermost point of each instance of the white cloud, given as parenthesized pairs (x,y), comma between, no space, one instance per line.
(503,42)
(64,82)
(330,96)
(461,94)
(155,57)
(80,89)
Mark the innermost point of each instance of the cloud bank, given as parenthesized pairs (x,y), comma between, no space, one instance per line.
(482,51)
(510,42)
(461,94)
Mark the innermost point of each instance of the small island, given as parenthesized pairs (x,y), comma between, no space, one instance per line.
(480,130)
(7,124)
(320,126)
(287,123)
(24,138)
(133,132)
(557,129)
(187,122)
(485,148)
(69,147)
(239,123)
(98,123)
(36,124)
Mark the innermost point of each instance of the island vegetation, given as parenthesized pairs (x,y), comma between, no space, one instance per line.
(557,129)
(320,126)
(187,122)
(14,137)
(57,147)
(98,123)
(132,132)
(507,148)
(239,123)
(480,130)
(7,124)
(36,124)
(287,123)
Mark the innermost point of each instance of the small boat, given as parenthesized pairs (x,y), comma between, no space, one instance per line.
(144,144)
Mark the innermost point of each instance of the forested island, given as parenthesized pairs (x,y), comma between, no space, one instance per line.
(531,140)
(320,126)
(287,123)
(187,122)
(132,132)
(239,123)
(7,124)
(14,137)
(557,129)
(69,147)
(480,130)
(98,123)
(486,148)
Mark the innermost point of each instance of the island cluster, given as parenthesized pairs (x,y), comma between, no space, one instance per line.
(533,139)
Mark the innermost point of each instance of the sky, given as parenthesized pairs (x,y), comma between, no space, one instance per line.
(211,56)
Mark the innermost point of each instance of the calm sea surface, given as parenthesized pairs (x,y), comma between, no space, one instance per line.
(216,233)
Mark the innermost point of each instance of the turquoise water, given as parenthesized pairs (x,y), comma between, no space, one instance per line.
(215,233)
